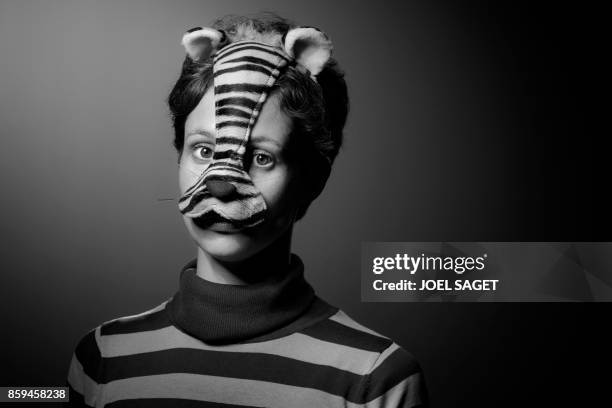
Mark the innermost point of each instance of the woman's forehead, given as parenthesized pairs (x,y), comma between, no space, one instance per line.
(272,123)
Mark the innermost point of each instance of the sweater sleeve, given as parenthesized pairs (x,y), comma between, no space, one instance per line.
(84,372)
(396,381)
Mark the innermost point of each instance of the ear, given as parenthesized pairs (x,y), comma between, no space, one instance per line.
(202,42)
(310,47)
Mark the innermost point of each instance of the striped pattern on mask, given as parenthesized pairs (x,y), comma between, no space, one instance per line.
(243,72)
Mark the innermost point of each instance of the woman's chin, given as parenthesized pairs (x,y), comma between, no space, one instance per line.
(222,241)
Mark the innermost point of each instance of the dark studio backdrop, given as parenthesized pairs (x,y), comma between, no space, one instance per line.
(468,123)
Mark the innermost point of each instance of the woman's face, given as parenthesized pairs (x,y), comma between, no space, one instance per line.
(270,169)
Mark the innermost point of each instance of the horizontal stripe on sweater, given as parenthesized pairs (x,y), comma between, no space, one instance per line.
(339,362)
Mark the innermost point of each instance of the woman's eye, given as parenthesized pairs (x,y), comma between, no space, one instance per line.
(202,152)
(263,159)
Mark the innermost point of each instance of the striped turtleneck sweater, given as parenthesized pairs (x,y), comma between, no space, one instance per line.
(274,343)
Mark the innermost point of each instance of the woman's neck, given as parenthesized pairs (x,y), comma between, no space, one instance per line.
(274,258)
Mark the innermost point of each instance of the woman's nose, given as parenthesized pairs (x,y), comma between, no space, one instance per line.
(221,189)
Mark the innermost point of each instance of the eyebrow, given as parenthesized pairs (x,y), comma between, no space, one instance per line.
(254,138)
(261,138)
(201,132)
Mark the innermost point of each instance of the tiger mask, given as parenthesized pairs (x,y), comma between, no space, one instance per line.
(244,68)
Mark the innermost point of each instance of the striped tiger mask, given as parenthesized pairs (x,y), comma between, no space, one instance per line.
(244,72)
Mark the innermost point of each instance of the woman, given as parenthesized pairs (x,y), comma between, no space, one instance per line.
(258,113)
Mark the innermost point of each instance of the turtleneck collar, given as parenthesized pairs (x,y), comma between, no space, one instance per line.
(218,313)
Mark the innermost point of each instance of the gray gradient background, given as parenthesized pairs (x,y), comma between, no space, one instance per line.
(465,126)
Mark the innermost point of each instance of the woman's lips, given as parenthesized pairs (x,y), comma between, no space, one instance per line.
(215,222)
(224,227)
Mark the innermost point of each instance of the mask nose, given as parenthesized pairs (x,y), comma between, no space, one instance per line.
(221,189)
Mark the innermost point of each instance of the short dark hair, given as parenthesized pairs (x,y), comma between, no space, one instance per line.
(318,112)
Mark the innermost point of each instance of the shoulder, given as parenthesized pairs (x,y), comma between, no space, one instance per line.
(85,373)
(396,376)
(390,376)
(90,346)
(340,328)
(152,319)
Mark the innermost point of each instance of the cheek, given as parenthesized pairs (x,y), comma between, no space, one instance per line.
(278,192)
(190,169)
(187,176)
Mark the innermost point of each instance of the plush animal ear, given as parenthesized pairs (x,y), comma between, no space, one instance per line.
(310,47)
(202,42)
